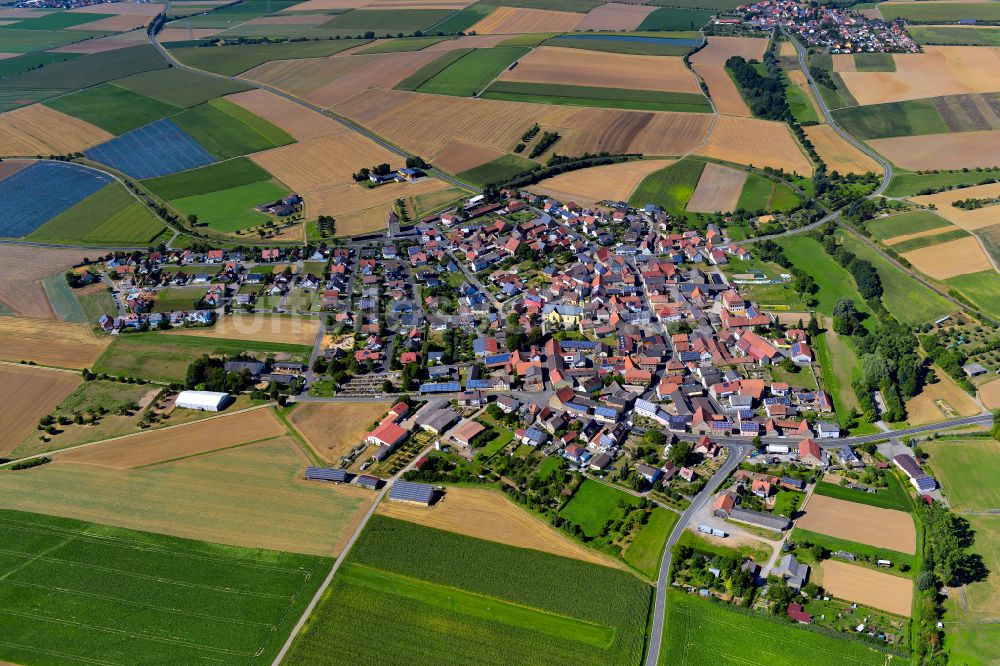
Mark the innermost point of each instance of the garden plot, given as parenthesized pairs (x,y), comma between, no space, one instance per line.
(882,528)
(614,16)
(871,588)
(36,194)
(609,181)
(157,149)
(757,143)
(39,130)
(512,20)
(718,189)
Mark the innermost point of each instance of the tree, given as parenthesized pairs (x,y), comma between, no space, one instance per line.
(679,453)
(654,438)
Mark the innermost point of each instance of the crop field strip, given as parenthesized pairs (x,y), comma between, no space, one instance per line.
(629,44)
(670,188)
(469,74)
(29,394)
(936,115)
(56,569)
(33,201)
(39,130)
(157,149)
(612,181)
(233,60)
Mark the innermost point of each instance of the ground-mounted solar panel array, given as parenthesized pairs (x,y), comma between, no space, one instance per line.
(34,195)
(157,149)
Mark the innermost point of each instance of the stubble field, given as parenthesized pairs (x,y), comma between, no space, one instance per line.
(28,394)
(39,130)
(718,189)
(332,429)
(871,588)
(22,269)
(302,123)
(947,260)
(882,528)
(54,343)
(837,153)
(615,16)
(755,142)
(511,20)
(710,62)
(611,181)
(923,408)
(970,220)
(942,151)
(459,156)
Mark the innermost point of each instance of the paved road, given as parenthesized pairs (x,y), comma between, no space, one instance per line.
(736,455)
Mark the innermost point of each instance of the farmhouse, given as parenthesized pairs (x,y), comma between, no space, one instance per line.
(388,434)
(466,431)
(206,401)
(792,571)
(922,481)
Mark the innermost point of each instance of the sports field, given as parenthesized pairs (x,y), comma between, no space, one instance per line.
(937,401)
(332,429)
(882,528)
(593,504)
(516,605)
(29,394)
(77,592)
(699,632)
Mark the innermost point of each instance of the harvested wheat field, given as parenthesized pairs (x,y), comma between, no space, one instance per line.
(882,528)
(259,327)
(510,20)
(410,119)
(103,44)
(297,120)
(614,16)
(989,393)
(9,167)
(609,181)
(22,268)
(787,50)
(970,220)
(925,408)
(382,70)
(550,64)
(359,209)
(945,260)
(322,5)
(939,70)
(56,343)
(720,49)
(942,151)
(722,91)
(39,130)
(718,189)
(710,62)
(838,154)
(332,429)
(460,156)
(486,514)
(844,62)
(167,444)
(316,163)
(302,76)
(27,394)
(251,496)
(117,23)
(866,586)
(756,142)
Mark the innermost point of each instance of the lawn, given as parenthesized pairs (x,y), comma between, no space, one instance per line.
(499,170)
(615,98)
(698,632)
(593,505)
(787,502)
(833,544)
(954,35)
(939,12)
(232,209)
(907,183)
(908,300)
(495,445)
(110,216)
(905,223)
(470,74)
(982,288)
(163,357)
(547,468)
(112,108)
(669,188)
(646,550)
(87,589)
(968,470)
(673,18)
(515,605)
(833,281)
(226,130)
(212,178)
(893,496)
(231,60)
(180,87)
(717,547)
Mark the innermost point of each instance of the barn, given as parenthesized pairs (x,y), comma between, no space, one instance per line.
(206,401)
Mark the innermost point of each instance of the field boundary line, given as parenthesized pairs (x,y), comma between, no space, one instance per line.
(193,455)
(53,368)
(37,556)
(56,452)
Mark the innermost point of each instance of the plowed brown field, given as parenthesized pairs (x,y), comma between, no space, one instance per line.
(509,20)
(54,343)
(945,260)
(756,142)
(865,586)
(837,153)
(718,189)
(487,514)
(424,126)
(882,528)
(614,16)
(844,62)
(939,70)
(332,429)
(549,64)
(610,181)
(157,446)
(297,120)
(27,394)
(39,130)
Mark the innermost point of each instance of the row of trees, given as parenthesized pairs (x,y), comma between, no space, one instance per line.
(765,95)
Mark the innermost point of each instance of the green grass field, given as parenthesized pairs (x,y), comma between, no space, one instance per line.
(717,547)
(515,605)
(60,20)
(893,496)
(471,73)
(701,633)
(927,241)
(940,115)
(232,60)
(112,108)
(874,62)
(228,130)
(905,223)
(833,281)
(406,21)
(833,543)
(968,470)
(593,504)
(498,170)
(614,98)
(939,12)
(64,302)
(908,300)
(955,35)
(212,178)
(22,63)
(990,236)
(646,550)
(833,98)
(235,14)
(463,19)
(77,592)
(981,288)
(404,44)
(798,101)
(763,194)
(670,188)
(165,357)
(110,216)
(180,87)
(232,209)
(529,39)
(674,18)
(96,304)
(698,4)
(907,183)
(30,41)
(625,46)
(87,71)
(838,363)
(431,69)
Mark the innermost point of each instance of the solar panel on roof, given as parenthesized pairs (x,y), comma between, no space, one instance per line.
(441,387)
(325,474)
(411,492)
